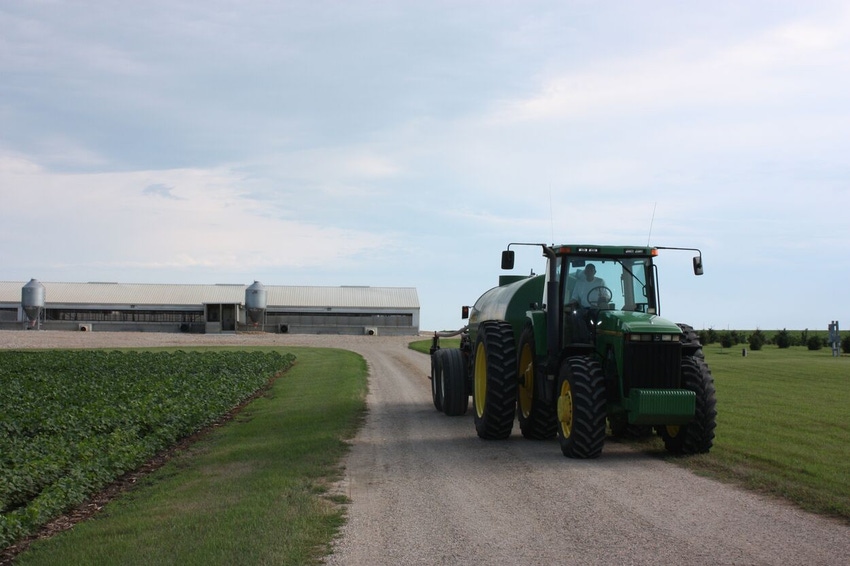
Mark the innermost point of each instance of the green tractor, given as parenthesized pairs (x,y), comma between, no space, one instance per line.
(576,351)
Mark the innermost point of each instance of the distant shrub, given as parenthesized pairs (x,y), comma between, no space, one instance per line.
(756,340)
(782,339)
(726,340)
(711,337)
(814,343)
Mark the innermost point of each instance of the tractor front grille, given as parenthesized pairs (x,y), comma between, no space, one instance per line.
(652,365)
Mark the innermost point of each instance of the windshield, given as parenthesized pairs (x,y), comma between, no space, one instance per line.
(611,284)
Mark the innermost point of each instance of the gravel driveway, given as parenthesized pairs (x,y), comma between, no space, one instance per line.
(426,490)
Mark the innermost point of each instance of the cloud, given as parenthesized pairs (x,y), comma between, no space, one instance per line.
(160,190)
(696,75)
(203,219)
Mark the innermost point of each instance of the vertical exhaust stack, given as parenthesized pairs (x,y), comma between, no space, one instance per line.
(32,301)
(255,303)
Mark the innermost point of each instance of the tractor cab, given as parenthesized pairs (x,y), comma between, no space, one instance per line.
(597,287)
(609,283)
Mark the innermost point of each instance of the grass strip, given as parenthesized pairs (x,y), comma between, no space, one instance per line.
(252,492)
(424,346)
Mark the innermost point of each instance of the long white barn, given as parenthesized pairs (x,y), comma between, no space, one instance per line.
(211,308)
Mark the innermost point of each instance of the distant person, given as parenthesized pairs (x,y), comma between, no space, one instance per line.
(586,283)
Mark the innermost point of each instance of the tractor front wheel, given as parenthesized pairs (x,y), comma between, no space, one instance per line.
(581,407)
(696,437)
(494,380)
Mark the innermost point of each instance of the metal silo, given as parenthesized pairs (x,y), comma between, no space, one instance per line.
(255,302)
(32,301)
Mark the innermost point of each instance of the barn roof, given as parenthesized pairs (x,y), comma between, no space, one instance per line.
(191,295)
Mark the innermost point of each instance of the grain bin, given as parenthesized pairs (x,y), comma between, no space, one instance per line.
(255,302)
(32,301)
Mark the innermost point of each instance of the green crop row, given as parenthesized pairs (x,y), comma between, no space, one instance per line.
(73,421)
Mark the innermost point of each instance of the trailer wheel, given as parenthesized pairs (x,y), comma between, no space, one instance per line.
(696,437)
(581,407)
(494,380)
(453,383)
(436,378)
(537,419)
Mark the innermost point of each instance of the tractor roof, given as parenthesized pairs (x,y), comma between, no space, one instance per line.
(605,251)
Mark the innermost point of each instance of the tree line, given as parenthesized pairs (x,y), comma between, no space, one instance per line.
(757,339)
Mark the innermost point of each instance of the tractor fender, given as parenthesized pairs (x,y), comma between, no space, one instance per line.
(537,321)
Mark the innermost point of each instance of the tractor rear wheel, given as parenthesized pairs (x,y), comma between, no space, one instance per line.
(696,437)
(581,407)
(436,378)
(453,383)
(537,419)
(494,380)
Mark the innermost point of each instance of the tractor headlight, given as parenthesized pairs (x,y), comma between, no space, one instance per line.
(654,337)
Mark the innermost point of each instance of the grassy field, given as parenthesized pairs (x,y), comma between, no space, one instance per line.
(783,425)
(252,492)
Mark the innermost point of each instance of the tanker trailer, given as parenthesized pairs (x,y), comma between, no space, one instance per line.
(578,348)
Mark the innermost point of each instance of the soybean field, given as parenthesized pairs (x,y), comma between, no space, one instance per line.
(72,421)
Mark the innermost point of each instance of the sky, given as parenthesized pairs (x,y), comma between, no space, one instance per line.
(405,144)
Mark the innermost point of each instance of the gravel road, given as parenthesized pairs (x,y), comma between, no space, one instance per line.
(426,490)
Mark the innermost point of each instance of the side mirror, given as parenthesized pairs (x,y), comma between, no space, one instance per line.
(464,313)
(698,265)
(508,259)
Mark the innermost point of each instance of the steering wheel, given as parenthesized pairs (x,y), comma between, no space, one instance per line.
(603,295)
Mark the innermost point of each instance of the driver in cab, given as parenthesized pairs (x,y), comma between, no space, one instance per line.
(586,283)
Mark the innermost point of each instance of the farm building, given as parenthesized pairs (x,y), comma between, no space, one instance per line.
(209,308)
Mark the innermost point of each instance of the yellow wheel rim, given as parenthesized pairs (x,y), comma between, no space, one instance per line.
(480,379)
(565,409)
(673,431)
(526,379)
